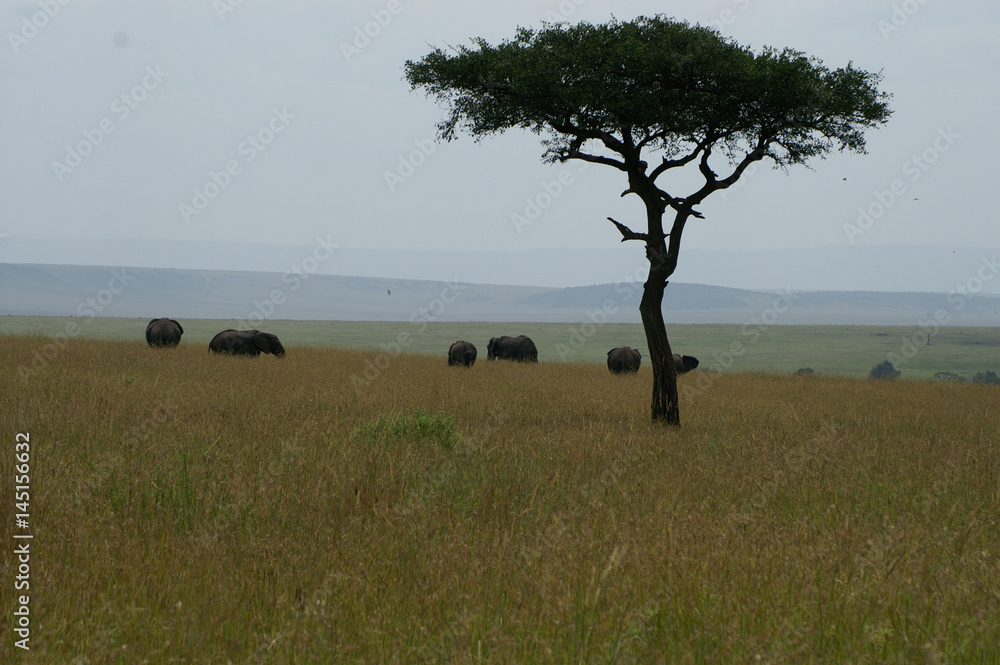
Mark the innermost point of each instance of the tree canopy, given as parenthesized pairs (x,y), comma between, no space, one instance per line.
(613,93)
(668,85)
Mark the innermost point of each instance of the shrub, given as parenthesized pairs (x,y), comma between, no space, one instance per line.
(949,376)
(805,371)
(418,426)
(989,377)
(884,371)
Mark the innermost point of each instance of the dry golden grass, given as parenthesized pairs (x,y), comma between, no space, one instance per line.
(199,509)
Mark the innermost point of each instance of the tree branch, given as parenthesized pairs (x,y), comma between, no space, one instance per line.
(712,181)
(580,136)
(595,159)
(627,233)
(566,126)
(758,153)
(710,175)
(704,144)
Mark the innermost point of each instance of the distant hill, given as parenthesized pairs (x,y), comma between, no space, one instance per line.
(859,267)
(69,290)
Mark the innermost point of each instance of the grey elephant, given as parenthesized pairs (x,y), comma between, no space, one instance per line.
(246,342)
(512,348)
(163,332)
(684,364)
(624,359)
(462,353)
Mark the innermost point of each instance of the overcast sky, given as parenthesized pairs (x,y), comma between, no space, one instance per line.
(281,122)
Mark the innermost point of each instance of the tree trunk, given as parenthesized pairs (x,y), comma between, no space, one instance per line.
(665,404)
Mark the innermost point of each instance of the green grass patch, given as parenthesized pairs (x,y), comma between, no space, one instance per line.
(413,426)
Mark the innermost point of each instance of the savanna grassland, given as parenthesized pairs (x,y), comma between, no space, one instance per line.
(191,508)
(754,346)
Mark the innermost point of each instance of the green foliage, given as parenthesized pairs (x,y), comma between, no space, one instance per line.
(651,83)
(416,426)
(949,376)
(884,371)
(989,377)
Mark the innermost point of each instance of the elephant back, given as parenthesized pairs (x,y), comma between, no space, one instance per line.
(163,332)
(624,359)
(462,353)
(512,348)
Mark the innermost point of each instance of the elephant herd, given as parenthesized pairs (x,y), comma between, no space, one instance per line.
(625,359)
(167,333)
(621,360)
(519,348)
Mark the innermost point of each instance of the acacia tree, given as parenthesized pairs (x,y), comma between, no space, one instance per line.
(613,94)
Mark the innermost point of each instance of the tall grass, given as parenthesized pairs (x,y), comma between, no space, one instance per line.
(194,508)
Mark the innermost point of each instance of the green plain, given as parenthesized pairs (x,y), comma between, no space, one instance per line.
(843,350)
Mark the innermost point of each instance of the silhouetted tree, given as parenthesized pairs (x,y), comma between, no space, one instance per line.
(949,376)
(884,371)
(989,376)
(609,94)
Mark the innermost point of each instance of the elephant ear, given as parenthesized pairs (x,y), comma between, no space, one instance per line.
(179,329)
(611,351)
(690,363)
(261,341)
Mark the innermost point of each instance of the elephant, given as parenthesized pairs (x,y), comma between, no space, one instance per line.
(512,348)
(684,364)
(624,359)
(246,342)
(163,332)
(462,353)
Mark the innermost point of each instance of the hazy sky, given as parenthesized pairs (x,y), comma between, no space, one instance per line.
(281,122)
